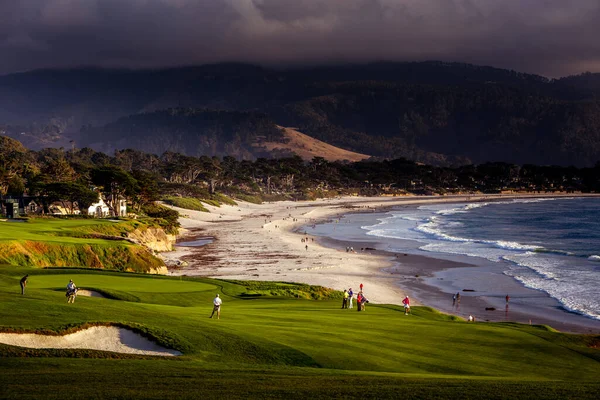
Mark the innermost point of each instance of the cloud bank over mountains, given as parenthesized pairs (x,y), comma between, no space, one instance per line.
(549,37)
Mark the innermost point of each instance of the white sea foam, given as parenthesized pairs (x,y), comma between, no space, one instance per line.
(573,287)
(465,249)
(434,228)
(571,280)
(471,206)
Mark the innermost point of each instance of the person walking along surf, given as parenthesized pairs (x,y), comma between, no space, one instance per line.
(23,284)
(217,307)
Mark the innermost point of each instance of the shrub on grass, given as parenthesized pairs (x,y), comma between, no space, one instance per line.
(284,289)
(189,203)
(249,198)
(211,202)
(221,198)
(163,216)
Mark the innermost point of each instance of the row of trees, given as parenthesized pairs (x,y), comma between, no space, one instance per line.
(142,178)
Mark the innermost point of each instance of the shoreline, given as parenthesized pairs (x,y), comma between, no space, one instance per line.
(264,242)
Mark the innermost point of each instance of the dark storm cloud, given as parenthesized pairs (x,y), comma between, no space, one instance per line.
(552,37)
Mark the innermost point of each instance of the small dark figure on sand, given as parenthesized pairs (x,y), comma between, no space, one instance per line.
(453,299)
(507,298)
(458,298)
(23,283)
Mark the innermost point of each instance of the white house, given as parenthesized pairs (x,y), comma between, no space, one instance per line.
(99,209)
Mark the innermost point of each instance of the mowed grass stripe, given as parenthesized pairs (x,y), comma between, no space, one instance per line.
(292,334)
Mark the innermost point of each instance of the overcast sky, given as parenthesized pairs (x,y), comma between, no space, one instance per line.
(549,37)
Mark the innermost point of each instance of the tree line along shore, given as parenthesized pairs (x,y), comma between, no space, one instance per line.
(74,181)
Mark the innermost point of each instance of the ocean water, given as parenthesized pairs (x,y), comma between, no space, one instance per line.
(551,245)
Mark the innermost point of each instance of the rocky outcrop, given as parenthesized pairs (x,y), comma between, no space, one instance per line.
(159,271)
(155,239)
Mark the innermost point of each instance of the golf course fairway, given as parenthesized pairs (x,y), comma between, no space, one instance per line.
(274,341)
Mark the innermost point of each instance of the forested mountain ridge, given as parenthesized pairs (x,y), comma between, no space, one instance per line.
(432,112)
(193,132)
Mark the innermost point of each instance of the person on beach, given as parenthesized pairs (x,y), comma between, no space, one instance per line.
(306,247)
(406,303)
(350,294)
(507,299)
(453,299)
(457,298)
(23,283)
(217,307)
(345,300)
(361,286)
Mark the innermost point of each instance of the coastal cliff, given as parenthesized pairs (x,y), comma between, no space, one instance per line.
(124,246)
(155,239)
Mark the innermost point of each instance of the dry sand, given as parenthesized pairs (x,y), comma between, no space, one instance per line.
(89,293)
(104,338)
(260,242)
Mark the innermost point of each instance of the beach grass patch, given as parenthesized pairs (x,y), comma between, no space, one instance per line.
(189,203)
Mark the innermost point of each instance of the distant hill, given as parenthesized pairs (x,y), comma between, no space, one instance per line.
(308,147)
(194,132)
(197,132)
(432,112)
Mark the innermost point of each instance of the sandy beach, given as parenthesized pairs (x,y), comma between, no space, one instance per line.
(272,242)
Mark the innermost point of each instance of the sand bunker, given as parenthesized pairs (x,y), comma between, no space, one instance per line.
(105,338)
(90,293)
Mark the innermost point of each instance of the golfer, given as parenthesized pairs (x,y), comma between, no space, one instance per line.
(406,303)
(217,307)
(23,283)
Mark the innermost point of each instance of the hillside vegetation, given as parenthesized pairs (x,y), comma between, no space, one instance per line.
(274,343)
(50,242)
(433,112)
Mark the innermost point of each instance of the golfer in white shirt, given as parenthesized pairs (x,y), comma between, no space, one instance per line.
(217,307)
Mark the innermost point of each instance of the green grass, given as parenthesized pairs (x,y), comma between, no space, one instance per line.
(248,198)
(189,203)
(221,198)
(46,242)
(192,203)
(273,341)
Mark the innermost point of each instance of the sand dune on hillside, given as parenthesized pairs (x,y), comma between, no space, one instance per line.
(104,338)
(308,147)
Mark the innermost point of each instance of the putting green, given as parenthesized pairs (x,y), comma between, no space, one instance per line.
(312,348)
